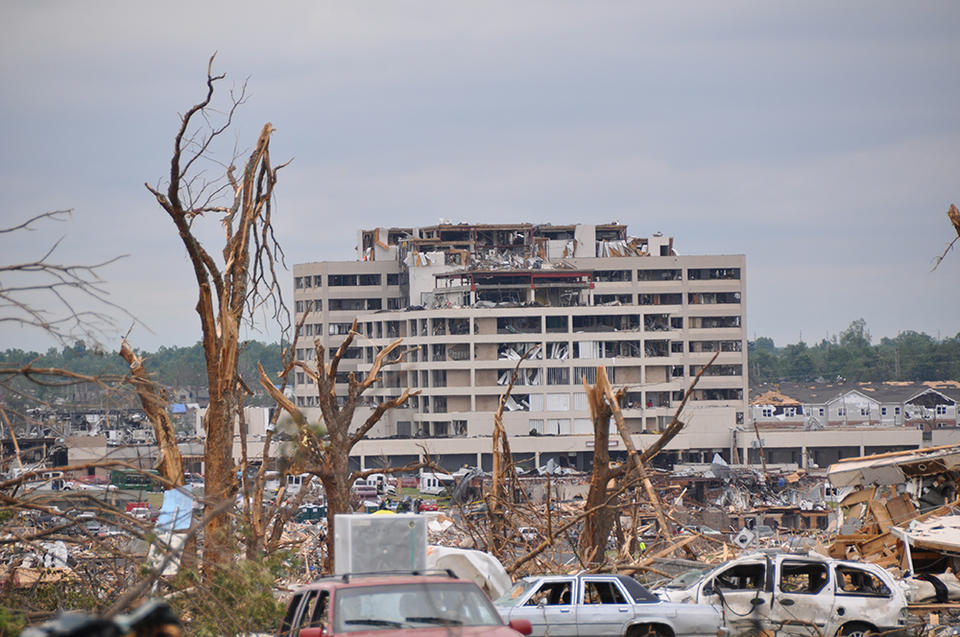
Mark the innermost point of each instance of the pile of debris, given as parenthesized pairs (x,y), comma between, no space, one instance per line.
(902,514)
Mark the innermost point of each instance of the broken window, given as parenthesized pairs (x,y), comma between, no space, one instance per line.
(393,278)
(712,274)
(660,299)
(612,276)
(718,394)
(518,325)
(602,593)
(558,376)
(807,578)
(552,594)
(741,577)
(459,352)
(711,322)
(612,299)
(855,581)
(335,329)
(658,275)
(368,279)
(656,322)
(347,305)
(341,280)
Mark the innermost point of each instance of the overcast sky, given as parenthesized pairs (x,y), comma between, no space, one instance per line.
(820,139)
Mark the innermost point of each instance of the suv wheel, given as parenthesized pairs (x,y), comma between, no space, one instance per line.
(856,630)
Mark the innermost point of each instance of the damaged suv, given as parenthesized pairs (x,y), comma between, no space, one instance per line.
(789,594)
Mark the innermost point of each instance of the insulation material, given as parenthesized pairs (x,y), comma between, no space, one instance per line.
(590,349)
(534,376)
(557,351)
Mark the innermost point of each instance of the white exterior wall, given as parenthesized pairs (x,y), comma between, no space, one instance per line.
(472,390)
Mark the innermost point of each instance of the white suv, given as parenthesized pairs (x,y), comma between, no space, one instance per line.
(789,594)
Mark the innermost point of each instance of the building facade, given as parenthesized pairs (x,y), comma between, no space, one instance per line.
(470,300)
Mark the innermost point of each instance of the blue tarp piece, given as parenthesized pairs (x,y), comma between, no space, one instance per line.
(176,512)
(178,408)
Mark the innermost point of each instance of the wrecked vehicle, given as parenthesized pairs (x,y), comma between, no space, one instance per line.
(598,604)
(394,605)
(791,594)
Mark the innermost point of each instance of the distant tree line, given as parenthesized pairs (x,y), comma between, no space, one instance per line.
(174,367)
(911,356)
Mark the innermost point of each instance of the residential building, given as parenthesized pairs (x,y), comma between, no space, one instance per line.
(848,419)
(469,300)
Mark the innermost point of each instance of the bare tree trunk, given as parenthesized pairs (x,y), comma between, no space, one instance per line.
(169,462)
(596,527)
(225,292)
(324,451)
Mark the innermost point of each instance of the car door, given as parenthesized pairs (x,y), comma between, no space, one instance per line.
(604,607)
(742,592)
(803,598)
(860,595)
(550,607)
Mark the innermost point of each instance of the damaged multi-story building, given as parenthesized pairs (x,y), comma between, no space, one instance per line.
(470,300)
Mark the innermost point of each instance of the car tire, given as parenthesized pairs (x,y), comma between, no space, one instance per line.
(649,630)
(856,629)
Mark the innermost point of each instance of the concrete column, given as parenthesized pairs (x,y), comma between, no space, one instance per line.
(480,459)
(803,458)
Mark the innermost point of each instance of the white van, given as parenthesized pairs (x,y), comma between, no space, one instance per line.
(435,483)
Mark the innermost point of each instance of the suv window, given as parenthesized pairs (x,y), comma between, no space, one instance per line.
(741,577)
(806,578)
(854,581)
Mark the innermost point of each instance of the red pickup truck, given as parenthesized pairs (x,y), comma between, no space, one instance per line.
(387,604)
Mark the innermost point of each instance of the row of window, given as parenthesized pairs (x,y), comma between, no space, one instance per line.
(864,410)
(545,402)
(603,276)
(350,305)
(554,325)
(344,280)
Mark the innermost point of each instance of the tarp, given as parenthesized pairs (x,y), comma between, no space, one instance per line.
(479,567)
(176,512)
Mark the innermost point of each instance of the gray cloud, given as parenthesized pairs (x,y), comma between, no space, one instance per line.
(818,139)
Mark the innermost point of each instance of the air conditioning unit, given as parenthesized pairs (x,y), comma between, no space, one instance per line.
(380,543)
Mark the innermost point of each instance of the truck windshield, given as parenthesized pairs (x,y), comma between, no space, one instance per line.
(405,606)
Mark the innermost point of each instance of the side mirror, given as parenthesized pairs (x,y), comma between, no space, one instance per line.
(522,626)
(708,588)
